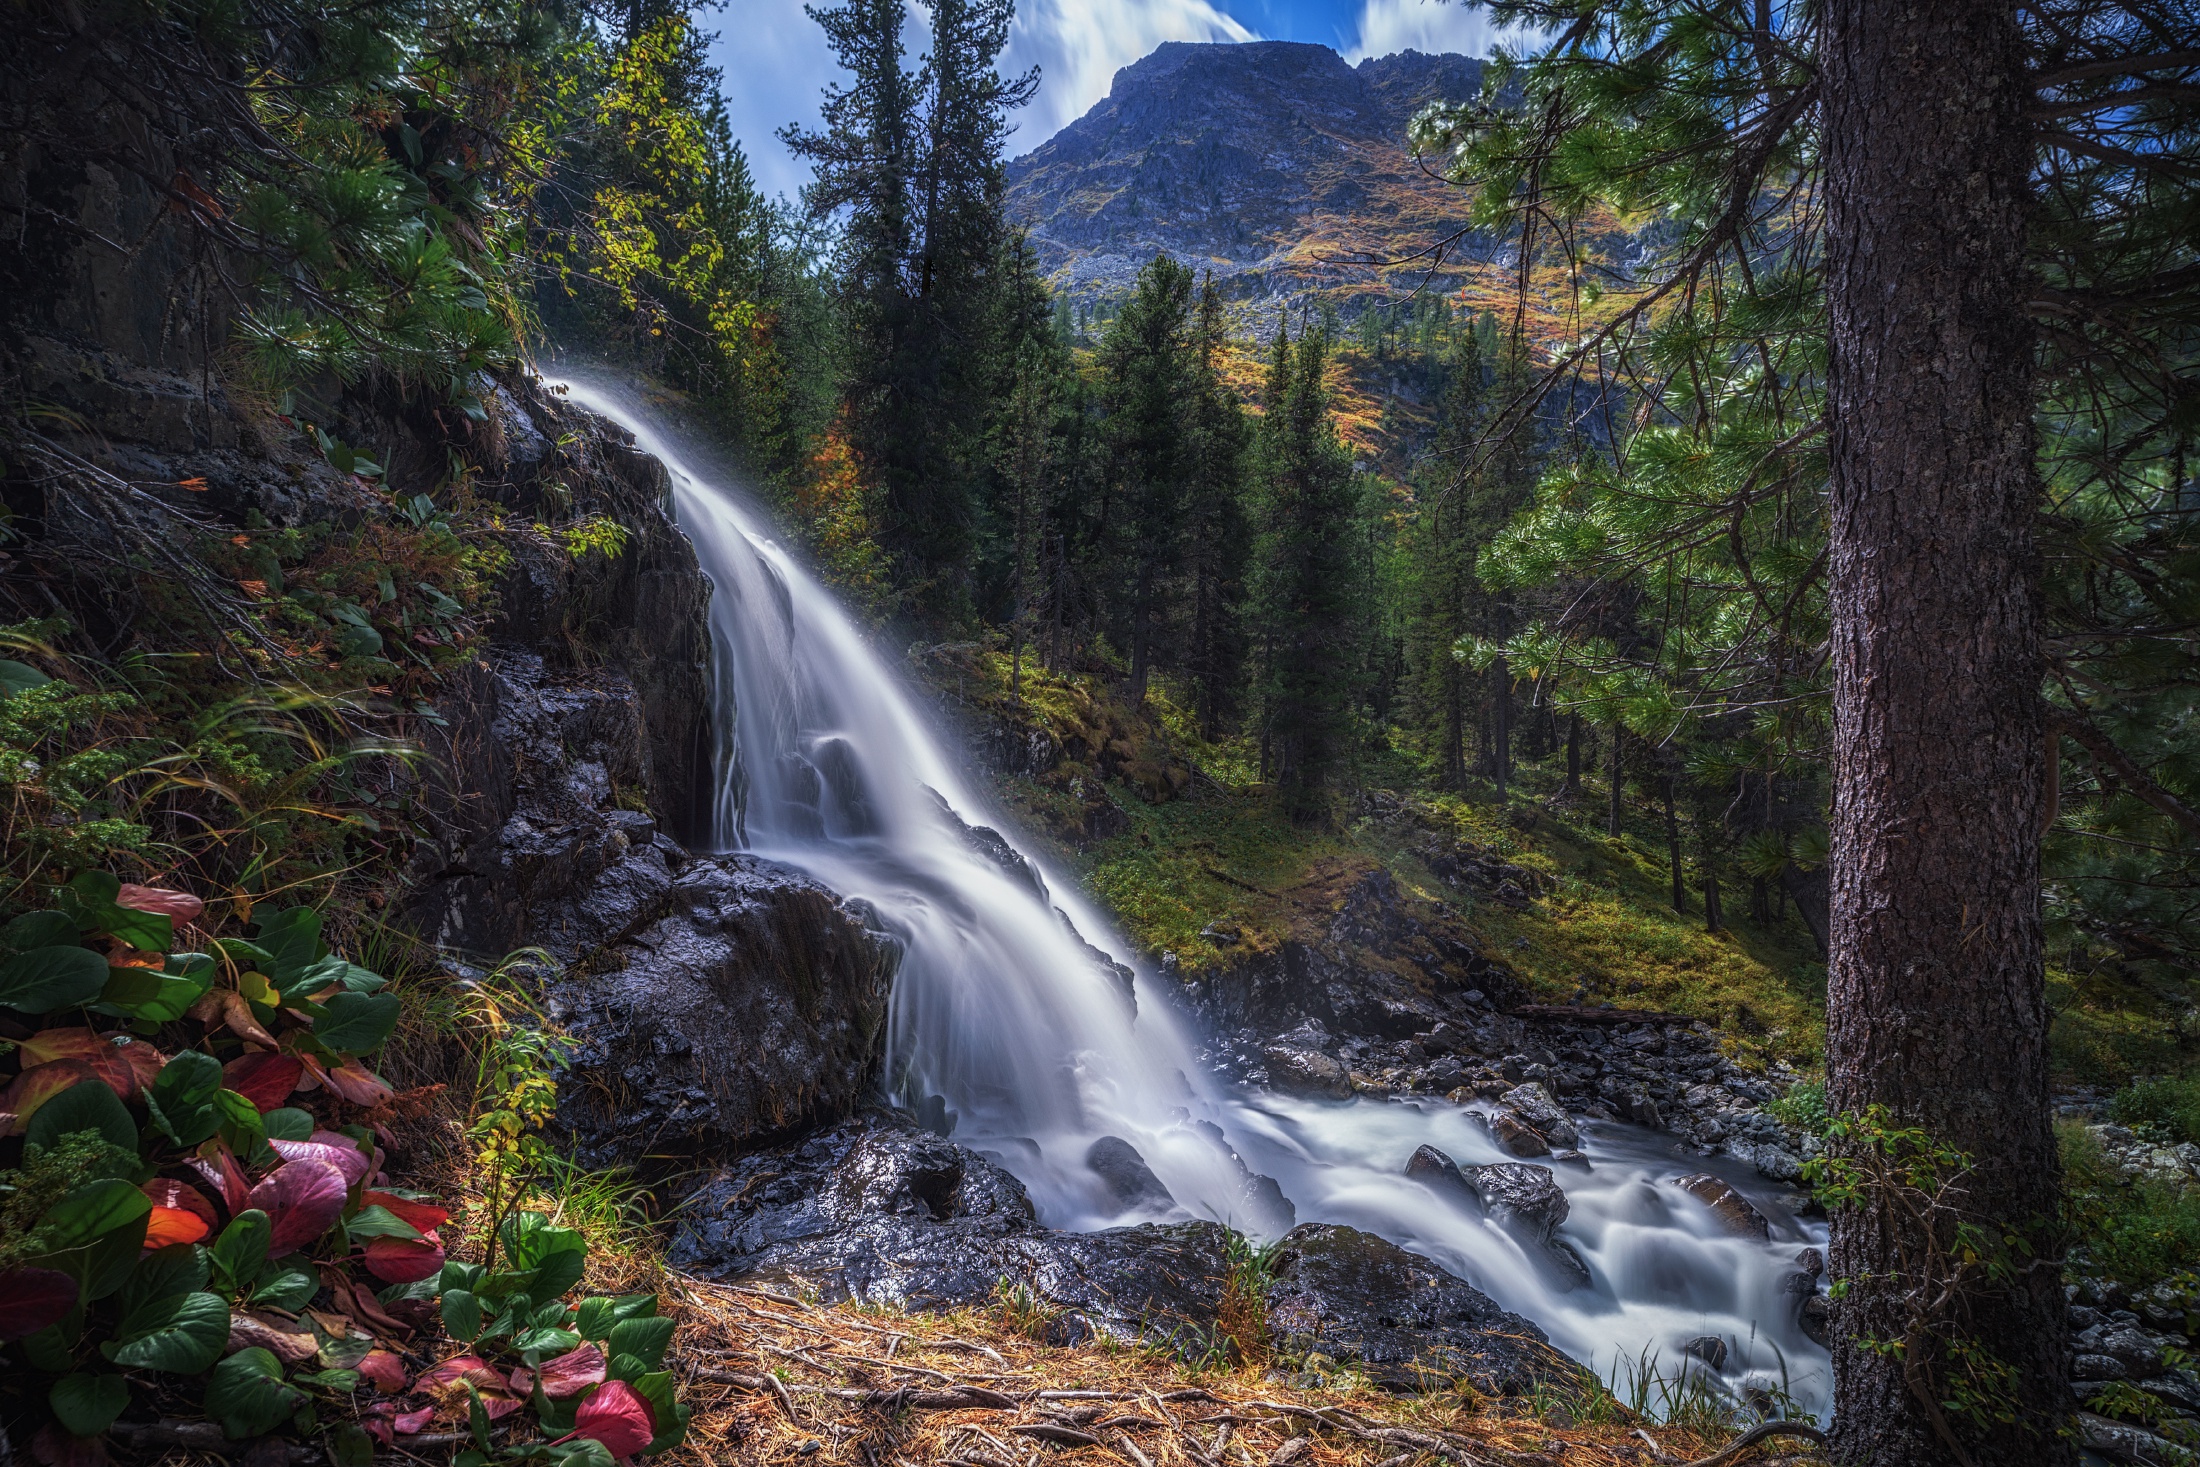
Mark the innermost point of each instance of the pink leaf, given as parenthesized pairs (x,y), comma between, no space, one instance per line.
(413,1421)
(302,1199)
(459,1368)
(265,1078)
(616,1415)
(347,1160)
(573,1372)
(404,1260)
(352,1080)
(159,900)
(499,1405)
(385,1369)
(215,1163)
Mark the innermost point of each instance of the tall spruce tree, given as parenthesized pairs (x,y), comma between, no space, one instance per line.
(915,161)
(1148,370)
(1217,530)
(1311,599)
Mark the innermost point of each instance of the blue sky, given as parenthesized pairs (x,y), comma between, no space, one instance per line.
(776,63)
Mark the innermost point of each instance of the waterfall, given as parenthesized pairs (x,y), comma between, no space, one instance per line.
(1011,1027)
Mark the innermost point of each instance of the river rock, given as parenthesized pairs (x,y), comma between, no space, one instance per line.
(1733,1212)
(754,1004)
(1128,1179)
(875,1210)
(1300,1071)
(1534,1104)
(1441,1175)
(1517,1136)
(2125,1443)
(1406,1322)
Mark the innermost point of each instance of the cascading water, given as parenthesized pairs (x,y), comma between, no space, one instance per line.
(1003,1015)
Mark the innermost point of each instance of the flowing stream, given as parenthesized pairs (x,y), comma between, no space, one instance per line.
(1002,1016)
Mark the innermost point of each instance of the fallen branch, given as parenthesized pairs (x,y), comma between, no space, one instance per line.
(1739,1445)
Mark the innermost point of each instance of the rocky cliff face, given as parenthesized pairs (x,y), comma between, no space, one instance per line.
(1268,163)
(567,760)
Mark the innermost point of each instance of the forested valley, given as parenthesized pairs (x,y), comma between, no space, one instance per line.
(1668,697)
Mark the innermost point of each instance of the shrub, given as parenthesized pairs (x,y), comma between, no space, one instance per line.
(2163,1110)
(199,1159)
(2136,1232)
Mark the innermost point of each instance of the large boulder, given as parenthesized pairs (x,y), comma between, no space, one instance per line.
(1734,1213)
(752,1002)
(1404,1321)
(876,1210)
(1526,1201)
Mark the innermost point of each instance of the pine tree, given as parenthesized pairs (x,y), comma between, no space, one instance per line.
(1311,598)
(1442,552)
(1147,370)
(1215,524)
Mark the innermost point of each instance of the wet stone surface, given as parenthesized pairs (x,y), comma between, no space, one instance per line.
(876,1210)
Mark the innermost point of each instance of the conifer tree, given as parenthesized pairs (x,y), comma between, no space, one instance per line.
(1147,365)
(1311,599)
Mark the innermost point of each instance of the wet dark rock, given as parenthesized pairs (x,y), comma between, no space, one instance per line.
(1734,1213)
(875,1210)
(1407,1323)
(2125,1443)
(1441,1175)
(1710,1349)
(1129,1180)
(2138,1349)
(1816,1320)
(1535,1105)
(2097,1367)
(1517,1136)
(752,1003)
(1305,1071)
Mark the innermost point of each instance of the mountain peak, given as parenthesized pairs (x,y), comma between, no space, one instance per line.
(1257,161)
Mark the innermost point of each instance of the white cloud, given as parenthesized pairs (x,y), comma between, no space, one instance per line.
(1079,45)
(1433,26)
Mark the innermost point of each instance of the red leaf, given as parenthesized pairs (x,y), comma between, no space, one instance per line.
(218,1165)
(424,1216)
(181,1213)
(499,1405)
(616,1415)
(413,1421)
(34,1087)
(266,1078)
(302,1199)
(386,1370)
(32,1298)
(573,1372)
(357,1084)
(159,900)
(446,1377)
(404,1260)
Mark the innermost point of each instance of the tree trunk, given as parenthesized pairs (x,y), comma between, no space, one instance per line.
(1572,791)
(1936,1003)
(1619,775)
(1673,844)
(1501,721)
(1455,731)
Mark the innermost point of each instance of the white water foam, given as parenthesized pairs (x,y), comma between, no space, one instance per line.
(1000,1012)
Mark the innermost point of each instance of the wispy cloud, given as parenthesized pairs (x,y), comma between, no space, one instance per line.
(1434,26)
(1079,45)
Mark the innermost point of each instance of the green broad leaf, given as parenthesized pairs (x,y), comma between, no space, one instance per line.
(350,1446)
(239,1124)
(182,1334)
(247,955)
(362,980)
(424,1290)
(248,1396)
(156,997)
(377,1221)
(535,1342)
(240,1252)
(598,1314)
(40,929)
(462,1315)
(477,1417)
(357,1023)
(288,1123)
(342,1352)
(628,1368)
(180,1268)
(181,1098)
(291,939)
(458,1275)
(471,1458)
(20,677)
(87,1405)
(645,1339)
(529,1239)
(88,1105)
(344,1381)
(89,898)
(547,1315)
(587,1452)
(53,1349)
(94,1210)
(558,1273)
(49,978)
(659,1390)
(290,1289)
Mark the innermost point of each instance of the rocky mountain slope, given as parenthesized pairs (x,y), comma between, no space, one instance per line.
(1272,164)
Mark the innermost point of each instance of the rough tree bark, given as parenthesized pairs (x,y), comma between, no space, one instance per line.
(1936,997)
